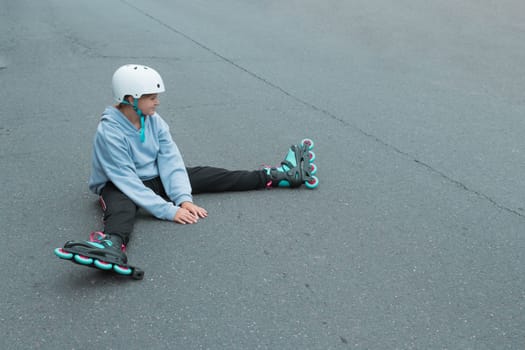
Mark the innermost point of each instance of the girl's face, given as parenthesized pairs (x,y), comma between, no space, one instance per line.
(148,103)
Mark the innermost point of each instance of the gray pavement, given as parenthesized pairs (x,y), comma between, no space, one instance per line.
(414,239)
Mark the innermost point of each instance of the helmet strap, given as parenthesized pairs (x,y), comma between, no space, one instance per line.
(137,110)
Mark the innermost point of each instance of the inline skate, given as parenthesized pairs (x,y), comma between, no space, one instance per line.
(101,251)
(296,168)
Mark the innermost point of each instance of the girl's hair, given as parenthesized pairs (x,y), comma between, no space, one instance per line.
(122,104)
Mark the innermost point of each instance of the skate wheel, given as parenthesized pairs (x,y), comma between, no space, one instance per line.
(312,183)
(311,156)
(62,254)
(313,169)
(122,270)
(84,260)
(102,265)
(309,143)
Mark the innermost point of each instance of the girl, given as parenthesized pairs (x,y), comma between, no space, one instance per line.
(136,165)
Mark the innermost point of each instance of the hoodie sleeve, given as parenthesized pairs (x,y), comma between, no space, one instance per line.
(171,167)
(114,156)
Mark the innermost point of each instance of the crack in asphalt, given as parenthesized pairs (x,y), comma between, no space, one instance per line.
(329,114)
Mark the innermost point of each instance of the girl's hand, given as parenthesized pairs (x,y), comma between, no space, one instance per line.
(189,213)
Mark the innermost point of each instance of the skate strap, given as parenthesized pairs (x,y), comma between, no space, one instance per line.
(98,236)
(102,203)
(288,164)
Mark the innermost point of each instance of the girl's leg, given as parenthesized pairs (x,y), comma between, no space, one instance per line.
(209,179)
(119,212)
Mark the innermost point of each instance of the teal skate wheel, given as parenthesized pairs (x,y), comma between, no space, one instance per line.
(122,270)
(313,169)
(313,183)
(311,156)
(84,260)
(309,143)
(62,254)
(102,265)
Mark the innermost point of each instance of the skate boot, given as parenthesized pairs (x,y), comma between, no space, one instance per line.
(296,168)
(103,252)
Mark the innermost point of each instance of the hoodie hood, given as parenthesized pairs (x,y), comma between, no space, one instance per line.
(118,120)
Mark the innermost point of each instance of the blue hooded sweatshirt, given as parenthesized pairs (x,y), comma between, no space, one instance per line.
(119,156)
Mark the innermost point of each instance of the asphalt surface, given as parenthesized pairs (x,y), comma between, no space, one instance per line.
(414,239)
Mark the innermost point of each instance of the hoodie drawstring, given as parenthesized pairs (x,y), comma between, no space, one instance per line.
(142,134)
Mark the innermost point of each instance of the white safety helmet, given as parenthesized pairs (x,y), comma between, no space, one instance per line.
(136,80)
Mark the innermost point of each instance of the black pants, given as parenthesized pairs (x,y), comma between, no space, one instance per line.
(120,211)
